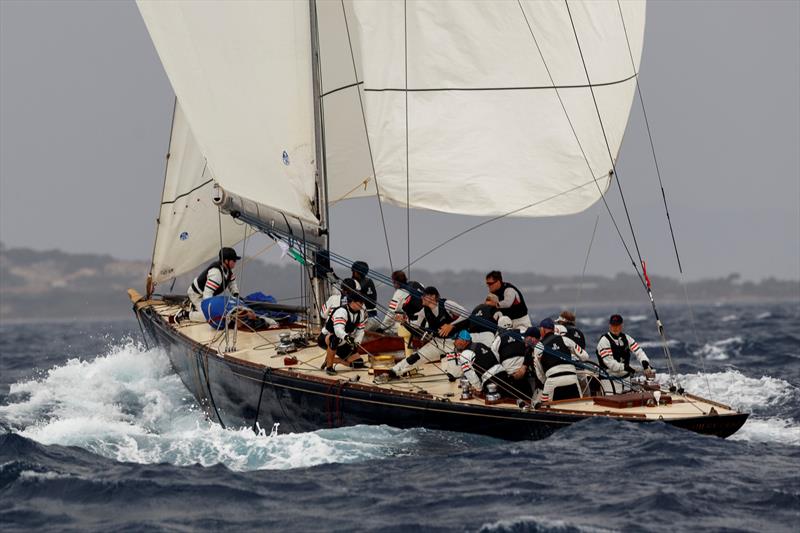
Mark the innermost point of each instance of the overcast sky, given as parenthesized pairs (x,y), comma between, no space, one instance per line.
(85,110)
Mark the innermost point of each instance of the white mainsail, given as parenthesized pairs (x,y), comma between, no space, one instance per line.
(480,123)
(188,230)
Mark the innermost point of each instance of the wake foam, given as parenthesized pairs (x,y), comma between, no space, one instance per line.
(129,406)
(752,395)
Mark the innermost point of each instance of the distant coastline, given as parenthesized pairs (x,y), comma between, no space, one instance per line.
(55,285)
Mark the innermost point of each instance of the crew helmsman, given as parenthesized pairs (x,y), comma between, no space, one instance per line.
(552,358)
(510,300)
(403,306)
(343,333)
(443,319)
(360,270)
(213,281)
(614,355)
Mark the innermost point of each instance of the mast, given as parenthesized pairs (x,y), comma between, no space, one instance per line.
(319,286)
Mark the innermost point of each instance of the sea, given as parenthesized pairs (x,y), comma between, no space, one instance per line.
(98,434)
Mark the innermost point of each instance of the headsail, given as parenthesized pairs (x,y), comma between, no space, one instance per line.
(188,233)
(470,94)
(242,72)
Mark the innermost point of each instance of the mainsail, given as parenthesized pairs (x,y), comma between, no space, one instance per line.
(472,107)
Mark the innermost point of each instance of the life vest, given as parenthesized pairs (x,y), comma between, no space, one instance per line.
(482,319)
(353,319)
(511,345)
(576,336)
(518,309)
(442,316)
(484,358)
(412,305)
(370,295)
(554,344)
(199,283)
(621,353)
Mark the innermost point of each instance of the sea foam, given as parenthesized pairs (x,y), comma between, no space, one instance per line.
(128,405)
(753,395)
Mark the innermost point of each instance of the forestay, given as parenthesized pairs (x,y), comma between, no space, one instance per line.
(461,91)
(188,231)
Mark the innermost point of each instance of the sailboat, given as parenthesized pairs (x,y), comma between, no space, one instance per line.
(284,108)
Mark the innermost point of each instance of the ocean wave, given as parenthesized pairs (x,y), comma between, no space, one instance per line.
(129,406)
(720,350)
(753,395)
(729,318)
(658,344)
(534,524)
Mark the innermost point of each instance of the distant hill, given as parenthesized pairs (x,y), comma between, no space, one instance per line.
(58,285)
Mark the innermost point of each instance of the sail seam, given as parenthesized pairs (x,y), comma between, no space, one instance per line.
(187,193)
(342,88)
(526,88)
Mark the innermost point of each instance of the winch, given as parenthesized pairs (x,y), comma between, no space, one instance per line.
(466,389)
(492,396)
(285,344)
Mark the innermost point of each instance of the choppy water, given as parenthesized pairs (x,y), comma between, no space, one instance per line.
(96,433)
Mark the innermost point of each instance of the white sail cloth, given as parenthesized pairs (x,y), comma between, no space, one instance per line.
(480,129)
(471,107)
(242,72)
(188,231)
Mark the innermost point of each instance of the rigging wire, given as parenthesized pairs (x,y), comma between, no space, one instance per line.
(664,198)
(585,262)
(501,216)
(366,133)
(659,324)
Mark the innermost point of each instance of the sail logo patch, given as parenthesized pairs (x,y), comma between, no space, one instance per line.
(285,158)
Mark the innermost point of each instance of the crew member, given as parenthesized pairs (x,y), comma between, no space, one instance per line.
(360,270)
(343,333)
(567,321)
(614,355)
(483,320)
(442,319)
(405,309)
(347,287)
(552,358)
(213,281)
(510,300)
(510,372)
(470,359)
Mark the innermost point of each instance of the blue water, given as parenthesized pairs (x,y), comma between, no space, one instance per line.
(96,434)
